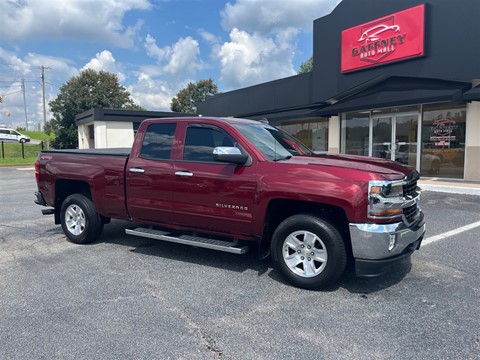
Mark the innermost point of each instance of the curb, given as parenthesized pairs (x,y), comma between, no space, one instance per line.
(451,189)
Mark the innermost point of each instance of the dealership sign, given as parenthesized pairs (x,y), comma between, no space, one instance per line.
(394,37)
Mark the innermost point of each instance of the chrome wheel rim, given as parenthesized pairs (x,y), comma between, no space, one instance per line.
(304,253)
(75,220)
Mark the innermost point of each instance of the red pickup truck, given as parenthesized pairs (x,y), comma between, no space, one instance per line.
(232,184)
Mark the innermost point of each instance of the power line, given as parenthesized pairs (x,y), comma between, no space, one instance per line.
(10,93)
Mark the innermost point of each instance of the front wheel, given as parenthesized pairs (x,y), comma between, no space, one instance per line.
(80,221)
(309,251)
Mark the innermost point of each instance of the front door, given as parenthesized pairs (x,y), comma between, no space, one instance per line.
(208,195)
(394,137)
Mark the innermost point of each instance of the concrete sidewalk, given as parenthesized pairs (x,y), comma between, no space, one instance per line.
(450,186)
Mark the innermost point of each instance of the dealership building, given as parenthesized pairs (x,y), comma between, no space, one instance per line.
(397,79)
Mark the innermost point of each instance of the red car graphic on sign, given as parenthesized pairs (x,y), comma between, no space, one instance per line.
(373,34)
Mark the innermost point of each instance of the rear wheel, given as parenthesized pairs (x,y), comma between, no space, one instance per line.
(80,221)
(308,251)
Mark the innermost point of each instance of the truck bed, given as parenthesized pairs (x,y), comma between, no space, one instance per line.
(123,152)
(83,169)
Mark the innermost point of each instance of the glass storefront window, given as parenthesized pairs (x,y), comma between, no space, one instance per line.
(443,138)
(394,136)
(355,133)
(311,132)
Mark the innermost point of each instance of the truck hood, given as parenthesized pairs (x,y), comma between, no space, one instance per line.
(386,168)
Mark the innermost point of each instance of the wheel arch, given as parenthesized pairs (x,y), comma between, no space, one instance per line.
(280,209)
(64,188)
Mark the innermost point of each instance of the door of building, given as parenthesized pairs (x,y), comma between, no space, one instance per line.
(395,137)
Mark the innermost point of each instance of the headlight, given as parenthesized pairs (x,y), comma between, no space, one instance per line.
(386,189)
(385,199)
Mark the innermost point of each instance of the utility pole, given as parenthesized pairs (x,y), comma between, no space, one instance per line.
(24,103)
(43,96)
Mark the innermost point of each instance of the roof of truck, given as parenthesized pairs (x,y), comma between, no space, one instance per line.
(230,120)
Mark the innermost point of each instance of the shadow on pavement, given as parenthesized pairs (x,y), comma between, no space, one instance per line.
(114,233)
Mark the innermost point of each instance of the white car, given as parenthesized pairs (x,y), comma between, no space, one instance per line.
(7,134)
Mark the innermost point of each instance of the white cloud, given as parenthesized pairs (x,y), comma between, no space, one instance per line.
(251,59)
(263,35)
(180,59)
(270,16)
(78,19)
(104,61)
(150,93)
(208,37)
(57,71)
(157,84)
(154,51)
(184,57)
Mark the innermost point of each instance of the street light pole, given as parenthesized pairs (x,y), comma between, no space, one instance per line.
(24,103)
(43,97)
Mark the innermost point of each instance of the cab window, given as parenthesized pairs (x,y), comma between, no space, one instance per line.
(200,141)
(158,141)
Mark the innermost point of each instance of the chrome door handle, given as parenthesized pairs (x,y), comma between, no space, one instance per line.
(136,170)
(184,173)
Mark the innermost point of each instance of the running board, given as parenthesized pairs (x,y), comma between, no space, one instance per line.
(196,241)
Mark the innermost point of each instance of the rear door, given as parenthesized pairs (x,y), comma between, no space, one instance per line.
(149,176)
(211,195)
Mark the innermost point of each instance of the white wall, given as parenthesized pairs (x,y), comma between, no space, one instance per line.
(334,135)
(472,142)
(83,136)
(84,141)
(112,134)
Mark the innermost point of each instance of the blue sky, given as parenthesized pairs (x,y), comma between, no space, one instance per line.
(156,47)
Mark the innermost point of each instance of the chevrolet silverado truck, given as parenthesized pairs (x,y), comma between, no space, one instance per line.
(232,184)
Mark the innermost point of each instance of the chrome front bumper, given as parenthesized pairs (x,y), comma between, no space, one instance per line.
(384,244)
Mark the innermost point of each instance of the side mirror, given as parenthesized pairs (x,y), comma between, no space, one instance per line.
(230,155)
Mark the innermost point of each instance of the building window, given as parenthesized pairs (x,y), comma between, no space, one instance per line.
(443,138)
(136,125)
(91,132)
(311,132)
(355,133)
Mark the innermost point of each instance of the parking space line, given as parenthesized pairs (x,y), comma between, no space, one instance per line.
(450,233)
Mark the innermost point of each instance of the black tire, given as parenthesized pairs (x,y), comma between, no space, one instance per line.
(22,141)
(316,267)
(80,221)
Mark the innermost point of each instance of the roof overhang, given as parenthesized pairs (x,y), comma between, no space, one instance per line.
(398,91)
(472,94)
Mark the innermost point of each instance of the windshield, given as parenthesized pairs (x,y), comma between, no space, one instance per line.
(273,143)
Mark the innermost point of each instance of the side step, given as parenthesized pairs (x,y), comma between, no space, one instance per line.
(189,240)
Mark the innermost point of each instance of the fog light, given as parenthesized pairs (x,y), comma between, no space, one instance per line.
(393,241)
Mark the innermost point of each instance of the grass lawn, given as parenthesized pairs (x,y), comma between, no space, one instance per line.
(11,152)
(38,135)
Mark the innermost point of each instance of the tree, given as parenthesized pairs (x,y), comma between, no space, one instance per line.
(88,90)
(186,99)
(306,66)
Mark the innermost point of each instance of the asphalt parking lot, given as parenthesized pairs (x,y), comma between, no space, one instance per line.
(130,298)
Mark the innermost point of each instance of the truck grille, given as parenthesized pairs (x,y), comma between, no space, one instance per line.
(410,212)
(410,189)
